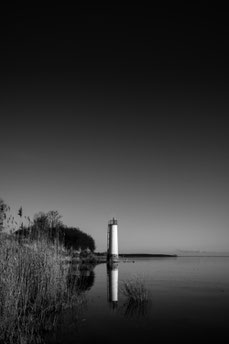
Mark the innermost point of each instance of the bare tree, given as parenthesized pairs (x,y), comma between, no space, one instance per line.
(54,219)
(40,221)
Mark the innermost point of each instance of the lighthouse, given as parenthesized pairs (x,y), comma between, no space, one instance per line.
(112,240)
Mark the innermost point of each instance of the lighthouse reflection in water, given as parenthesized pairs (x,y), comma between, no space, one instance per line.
(112,284)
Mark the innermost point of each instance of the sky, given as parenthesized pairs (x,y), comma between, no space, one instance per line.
(118,111)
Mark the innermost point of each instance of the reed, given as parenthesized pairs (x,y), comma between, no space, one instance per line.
(33,289)
(135,290)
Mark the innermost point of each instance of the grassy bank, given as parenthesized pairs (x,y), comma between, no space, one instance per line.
(33,289)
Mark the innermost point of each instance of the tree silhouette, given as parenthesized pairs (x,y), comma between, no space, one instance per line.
(50,225)
(3,210)
(54,219)
(40,222)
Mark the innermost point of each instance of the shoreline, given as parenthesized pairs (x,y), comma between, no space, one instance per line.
(146,255)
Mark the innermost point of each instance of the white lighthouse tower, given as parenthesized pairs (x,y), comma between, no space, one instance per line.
(112,240)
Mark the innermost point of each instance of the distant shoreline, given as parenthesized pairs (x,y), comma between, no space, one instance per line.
(146,255)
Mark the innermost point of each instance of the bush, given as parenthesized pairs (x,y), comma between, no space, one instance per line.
(71,237)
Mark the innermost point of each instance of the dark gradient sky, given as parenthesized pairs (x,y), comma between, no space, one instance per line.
(118,111)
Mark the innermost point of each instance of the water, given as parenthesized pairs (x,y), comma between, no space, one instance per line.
(189,300)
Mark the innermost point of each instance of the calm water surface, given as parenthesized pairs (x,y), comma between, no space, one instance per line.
(189,300)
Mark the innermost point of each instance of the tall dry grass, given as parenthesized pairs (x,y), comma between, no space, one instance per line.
(135,290)
(33,289)
(137,297)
